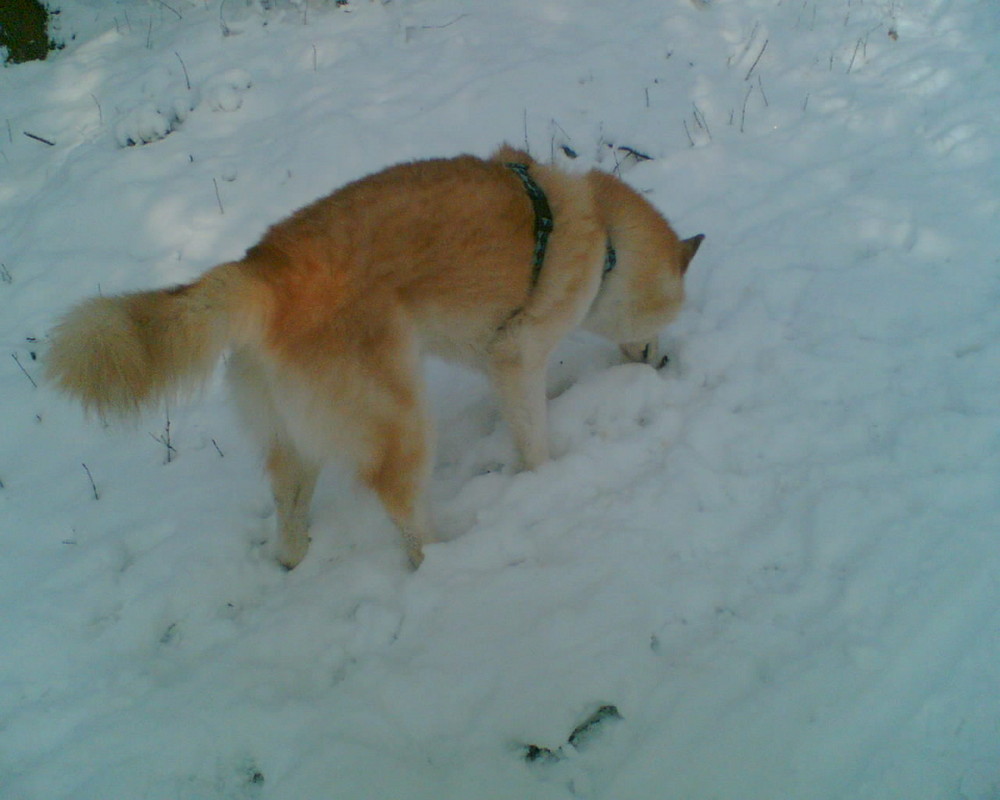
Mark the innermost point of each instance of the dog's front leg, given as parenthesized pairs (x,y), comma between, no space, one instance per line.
(520,387)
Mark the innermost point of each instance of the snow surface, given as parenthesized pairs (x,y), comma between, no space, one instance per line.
(777,559)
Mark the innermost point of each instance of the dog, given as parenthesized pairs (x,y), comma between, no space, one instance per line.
(487,262)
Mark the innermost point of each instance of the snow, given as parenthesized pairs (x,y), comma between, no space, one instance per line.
(776,558)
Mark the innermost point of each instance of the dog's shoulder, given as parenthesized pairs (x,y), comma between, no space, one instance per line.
(506,154)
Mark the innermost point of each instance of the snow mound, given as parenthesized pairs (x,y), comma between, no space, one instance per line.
(155,120)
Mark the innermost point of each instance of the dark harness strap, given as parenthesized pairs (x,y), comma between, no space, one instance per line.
(610,258)
(544,224)
(543,216)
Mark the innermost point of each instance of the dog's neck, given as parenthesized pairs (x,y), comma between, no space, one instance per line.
(544,224)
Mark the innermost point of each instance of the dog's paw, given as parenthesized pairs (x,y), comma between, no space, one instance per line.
(415,554)
(291,553)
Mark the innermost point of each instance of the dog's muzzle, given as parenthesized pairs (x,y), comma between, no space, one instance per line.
(646,353)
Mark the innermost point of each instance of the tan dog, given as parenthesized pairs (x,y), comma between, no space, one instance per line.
(488,262)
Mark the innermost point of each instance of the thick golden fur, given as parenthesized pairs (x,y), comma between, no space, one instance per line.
(328,314)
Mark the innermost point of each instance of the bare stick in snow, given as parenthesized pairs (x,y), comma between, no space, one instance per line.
(556,128)
(164,439)
(754,65)
(38,138)
(171,8)
(760,85)
(631,152)
(743,114)
(753,35)
(446,25)
(857,46)
(218,197)
(93,485)
(26,374)
(702,122)
(187,80)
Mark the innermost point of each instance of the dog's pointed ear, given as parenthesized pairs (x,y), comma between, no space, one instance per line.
(688,248)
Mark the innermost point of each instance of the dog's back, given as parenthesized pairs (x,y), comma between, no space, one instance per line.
(448,241)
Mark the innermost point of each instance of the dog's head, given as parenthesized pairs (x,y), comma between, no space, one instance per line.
(644,290)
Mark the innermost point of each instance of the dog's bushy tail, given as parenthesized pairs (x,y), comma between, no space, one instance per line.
(120,354)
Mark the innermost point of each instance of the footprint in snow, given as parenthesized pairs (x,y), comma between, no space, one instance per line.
(224,92)
(151,121)
(580,737)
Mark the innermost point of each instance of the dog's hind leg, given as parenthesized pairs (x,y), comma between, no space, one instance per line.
(397,469)
(393,432)
(293,476)
(293,480)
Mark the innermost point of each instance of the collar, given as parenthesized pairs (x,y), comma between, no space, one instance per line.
(543,216)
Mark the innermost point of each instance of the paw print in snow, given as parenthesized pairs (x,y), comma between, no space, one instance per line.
(152,121)
(224,92)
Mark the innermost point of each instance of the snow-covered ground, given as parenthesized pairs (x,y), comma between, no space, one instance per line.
(775,564)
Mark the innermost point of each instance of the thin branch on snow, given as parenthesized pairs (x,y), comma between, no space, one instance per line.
(743,114)
(26,374)
(187,79)
(754,65)
(93,485)
(218,197)
(37,138)
(171,8)
(164,439)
